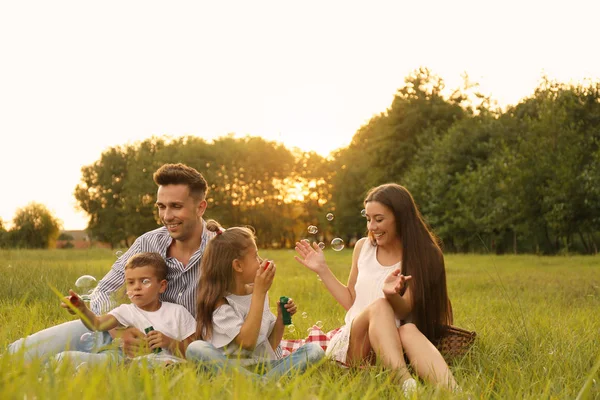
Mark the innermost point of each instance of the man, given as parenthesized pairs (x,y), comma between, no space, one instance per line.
(181,203)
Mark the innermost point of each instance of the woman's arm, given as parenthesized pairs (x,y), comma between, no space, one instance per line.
(402,305)
(313,259)
(392,287)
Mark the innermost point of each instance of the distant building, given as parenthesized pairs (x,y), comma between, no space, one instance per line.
(78,240)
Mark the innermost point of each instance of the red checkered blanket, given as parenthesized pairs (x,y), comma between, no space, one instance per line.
(315,335)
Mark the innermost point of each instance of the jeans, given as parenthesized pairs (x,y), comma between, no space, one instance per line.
(91,359)
(214,359)
(51,341)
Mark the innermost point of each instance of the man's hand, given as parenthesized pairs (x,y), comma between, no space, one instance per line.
(133,342)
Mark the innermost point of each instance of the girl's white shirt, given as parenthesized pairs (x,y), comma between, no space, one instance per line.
(227,322)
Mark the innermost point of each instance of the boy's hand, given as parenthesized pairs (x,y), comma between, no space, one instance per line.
(73,301)
(264,277)
(158,339)
(290,306)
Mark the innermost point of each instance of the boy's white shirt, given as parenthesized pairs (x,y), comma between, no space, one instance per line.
(171,319)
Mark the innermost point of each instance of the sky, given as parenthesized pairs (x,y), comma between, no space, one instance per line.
(78,77)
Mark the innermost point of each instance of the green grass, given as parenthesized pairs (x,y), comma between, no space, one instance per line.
(536,319)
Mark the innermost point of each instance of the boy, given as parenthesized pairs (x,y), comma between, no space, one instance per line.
(169,326)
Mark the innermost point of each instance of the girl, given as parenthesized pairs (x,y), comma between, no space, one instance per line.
(233,316)
(396,295)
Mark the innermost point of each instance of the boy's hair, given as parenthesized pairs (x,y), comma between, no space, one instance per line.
(217,278)
(180,174)
(152,260)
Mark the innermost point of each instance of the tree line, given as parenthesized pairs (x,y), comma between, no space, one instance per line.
(524,179)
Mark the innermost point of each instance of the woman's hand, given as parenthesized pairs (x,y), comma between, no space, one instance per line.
(311,257)
(395,283)
(264,277)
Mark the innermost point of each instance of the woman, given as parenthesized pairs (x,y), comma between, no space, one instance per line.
(396,295)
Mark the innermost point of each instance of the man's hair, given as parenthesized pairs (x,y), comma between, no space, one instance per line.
(180,174)
(152,260)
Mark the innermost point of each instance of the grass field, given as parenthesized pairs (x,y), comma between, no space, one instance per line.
(537,320)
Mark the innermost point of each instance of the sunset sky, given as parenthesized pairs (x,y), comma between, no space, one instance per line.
(77,77)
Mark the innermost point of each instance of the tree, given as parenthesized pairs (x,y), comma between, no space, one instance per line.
(4,239)
(100,194)
(386,147)
(35,227)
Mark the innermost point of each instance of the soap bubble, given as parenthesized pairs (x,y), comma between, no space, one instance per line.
(306,241)
(363,212)
(86,342)
(304,315)
(337,244)
(319,324)
(147,283)
(85,286)
(313,229)
(291,328)
(322,245)
(329,217)
(119,254)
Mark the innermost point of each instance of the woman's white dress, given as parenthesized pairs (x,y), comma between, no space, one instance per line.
(368,288)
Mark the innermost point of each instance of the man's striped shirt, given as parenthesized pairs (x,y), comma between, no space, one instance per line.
(182,281)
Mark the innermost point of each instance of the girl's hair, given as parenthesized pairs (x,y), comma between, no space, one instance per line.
(216,271)
(421,257)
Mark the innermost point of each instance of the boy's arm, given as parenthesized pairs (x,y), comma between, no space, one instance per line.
(91,321)
(101,323)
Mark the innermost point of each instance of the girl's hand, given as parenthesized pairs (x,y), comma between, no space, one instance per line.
(395,283)
(73,301)
(156,339)
(290,306)
(311,257)
(264,277)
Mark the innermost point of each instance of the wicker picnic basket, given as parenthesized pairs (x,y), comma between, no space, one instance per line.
(456,342)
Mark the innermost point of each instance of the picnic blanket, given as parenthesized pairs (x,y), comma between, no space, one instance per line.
(315,335)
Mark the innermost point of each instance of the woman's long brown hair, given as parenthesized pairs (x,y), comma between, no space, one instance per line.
(421,257)
(216,272)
